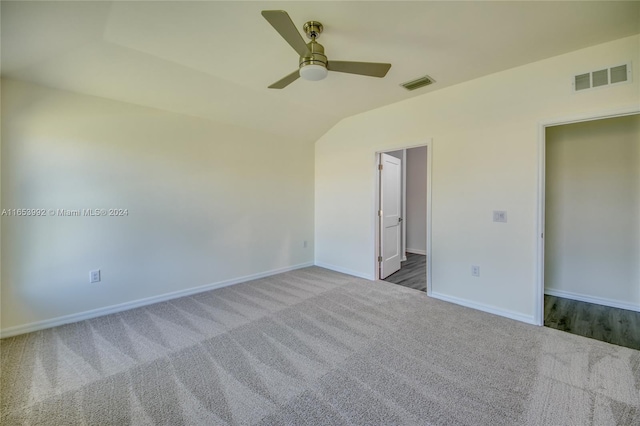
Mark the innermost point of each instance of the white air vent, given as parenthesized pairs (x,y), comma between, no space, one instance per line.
(619,74)
(600,78)
(582,81)
(418,83)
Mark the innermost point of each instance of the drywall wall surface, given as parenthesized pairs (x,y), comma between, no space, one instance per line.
(417,200)
(485,157)
(205,203)
(592,222)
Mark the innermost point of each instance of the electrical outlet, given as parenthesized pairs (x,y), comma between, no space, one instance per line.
(94,276)
(475,270)
(500,216)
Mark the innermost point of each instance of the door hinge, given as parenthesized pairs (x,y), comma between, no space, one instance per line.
(379,258)
(542,235)
(379,166)
(380,213)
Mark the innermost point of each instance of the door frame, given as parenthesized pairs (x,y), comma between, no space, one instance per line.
(540,230)
(376,205)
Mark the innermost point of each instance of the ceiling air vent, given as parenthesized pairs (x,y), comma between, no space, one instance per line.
(619,74)
(418,83)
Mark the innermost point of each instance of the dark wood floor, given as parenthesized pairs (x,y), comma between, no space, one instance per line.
(412,273)
(612,325)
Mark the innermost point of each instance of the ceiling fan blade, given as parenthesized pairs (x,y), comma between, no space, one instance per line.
(284,82)
(280,20)
(373,69)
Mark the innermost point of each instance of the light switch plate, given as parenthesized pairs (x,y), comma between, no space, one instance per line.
(500,216)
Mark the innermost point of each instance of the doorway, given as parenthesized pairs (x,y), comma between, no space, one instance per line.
(589,276)
(403,216)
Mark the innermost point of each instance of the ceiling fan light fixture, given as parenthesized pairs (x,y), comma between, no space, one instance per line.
(313,72)
(313,65)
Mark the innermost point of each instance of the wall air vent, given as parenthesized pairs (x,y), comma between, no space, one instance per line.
(619,74)
(418,83)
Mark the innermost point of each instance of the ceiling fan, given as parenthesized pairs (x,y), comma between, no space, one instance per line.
(314,65)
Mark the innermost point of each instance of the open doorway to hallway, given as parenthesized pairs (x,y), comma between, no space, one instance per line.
(592,229)
(412,273)
(402,213)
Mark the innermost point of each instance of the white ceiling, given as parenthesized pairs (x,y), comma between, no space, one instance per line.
(215,59)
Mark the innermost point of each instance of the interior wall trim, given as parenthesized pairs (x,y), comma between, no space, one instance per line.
(529,319)
(417,251)
(345,271)
(94,313)
(593,299)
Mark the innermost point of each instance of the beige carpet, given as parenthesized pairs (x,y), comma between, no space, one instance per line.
(314,347)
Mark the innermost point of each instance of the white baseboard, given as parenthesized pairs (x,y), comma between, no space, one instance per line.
(485,308)
(81,316)
(593,299)
(416,251)
(346,271)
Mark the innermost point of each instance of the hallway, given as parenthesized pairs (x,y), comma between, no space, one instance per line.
(412,273)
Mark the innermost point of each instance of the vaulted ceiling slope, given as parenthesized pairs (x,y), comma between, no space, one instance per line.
(215,59)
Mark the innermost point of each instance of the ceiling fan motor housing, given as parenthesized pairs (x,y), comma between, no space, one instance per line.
(314,56)
(313,65)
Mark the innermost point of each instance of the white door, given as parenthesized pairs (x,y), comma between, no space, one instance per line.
(390,216)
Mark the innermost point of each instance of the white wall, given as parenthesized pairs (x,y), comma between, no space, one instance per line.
(417,200)
(207,203)
(485,154)
(592,222)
